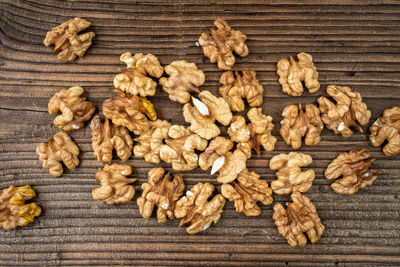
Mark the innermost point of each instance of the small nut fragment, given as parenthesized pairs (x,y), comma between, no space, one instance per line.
(183,78)
(292,73)
(354,168)
(349,110)
(115,187)
(195,208)
(75,110)
(290,177)
(59,148)
(300,217)
(234,164)
(246,86)
(246,191)
(297,124)
(219,46)
(67,43)
(239,131)
(160,191)
(387,127)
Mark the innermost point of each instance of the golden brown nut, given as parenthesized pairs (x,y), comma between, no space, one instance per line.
(67,43)
(246,86)
(75,110)
(354,169)
(387,127)
(300,217)
(219,46)
(184,78)
(196,209)
(160,191)
(133,79)
(349,110)
(290,177)
(297,124)
(106,137)
(59,149)
(292,74)
(13,210)
(246,191)
(218,147)
(115,187)
(239,131)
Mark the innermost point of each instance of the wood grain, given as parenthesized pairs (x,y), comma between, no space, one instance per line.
(354,43)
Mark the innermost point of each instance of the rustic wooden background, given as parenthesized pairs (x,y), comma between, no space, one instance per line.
(354,43)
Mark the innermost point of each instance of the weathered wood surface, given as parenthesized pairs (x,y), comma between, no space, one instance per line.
(354,43)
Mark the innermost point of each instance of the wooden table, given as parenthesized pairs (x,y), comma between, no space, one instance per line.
(354,43)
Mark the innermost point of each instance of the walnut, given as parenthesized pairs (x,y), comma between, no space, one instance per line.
(387,127)
(354,168)
(217,148)
(179,148)
(292,73)
(67,43)
(203,115)
(349,110)
(160,191)
(297,124)
(115,187)
(246,191)
(300,217)
(246,86)
(183,78)
(219,46)
(133,79)
(290,177)
(75,110)
(13,210)
(195,208)
(59,149)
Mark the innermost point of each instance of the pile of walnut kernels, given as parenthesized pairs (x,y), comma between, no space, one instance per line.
(200,143)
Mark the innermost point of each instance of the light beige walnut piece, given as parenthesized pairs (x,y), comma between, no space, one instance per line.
(290,177)
(353,167)
(115,187)
(204,113)
(67,43)
(184,78)
(292,73)
(298,123)
(133,79)
(387,128)
(160,191)
(298,220)
(246,191)
(349,110)
(194,208)
(59,149)
(75,110)
(233,90)
(219,46)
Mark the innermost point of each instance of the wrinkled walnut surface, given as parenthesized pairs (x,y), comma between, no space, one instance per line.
(234,163)
(217,148)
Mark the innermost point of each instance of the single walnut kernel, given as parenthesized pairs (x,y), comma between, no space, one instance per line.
(183,78)
(246,191)
(75,110)
(115,187)
(219,46)
(67,43)
(216,150)
(292,73)
(239,131)
(349,110)
(196,209)
(133,79)
(354,168)
(387,127)
(300,217)
(246,86)
(160,191)
(297,124)
(59,148)
(290,177)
